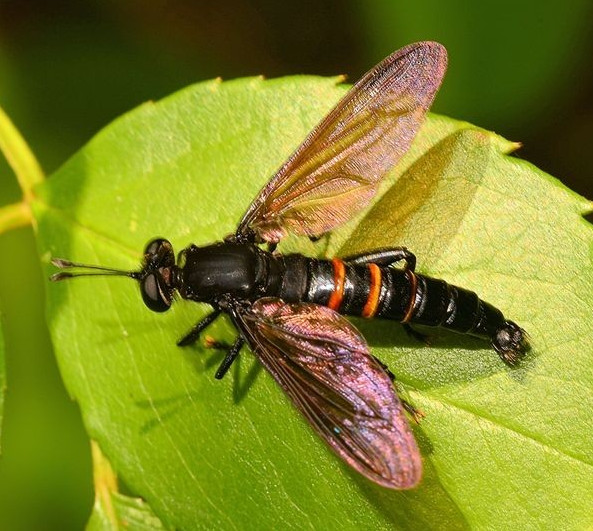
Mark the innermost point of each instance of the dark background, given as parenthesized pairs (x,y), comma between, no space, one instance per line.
(67,68)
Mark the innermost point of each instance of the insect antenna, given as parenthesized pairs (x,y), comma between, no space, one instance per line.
(91,270)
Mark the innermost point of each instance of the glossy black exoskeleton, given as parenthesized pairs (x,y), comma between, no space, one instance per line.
(364,285)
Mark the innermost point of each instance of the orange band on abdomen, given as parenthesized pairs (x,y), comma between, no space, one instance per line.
(335,299)
(413,289)
(372,303)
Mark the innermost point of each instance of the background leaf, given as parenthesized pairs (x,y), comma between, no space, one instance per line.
(498,445)
(113,510)
(132,513)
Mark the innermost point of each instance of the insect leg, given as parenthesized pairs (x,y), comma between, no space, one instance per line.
(385,368)
(416,414)
(233,308)
(384,257)
(193,335)
(231,356)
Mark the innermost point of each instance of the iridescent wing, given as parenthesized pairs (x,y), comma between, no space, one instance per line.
(336,170)
(323,364)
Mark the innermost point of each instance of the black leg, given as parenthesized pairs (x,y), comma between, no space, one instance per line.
(416,414)
(193,335)
(231,356)
(233,308)
(384,257)
(385,368)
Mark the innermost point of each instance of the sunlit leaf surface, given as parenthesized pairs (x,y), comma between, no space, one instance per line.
(501,447)
(123,512)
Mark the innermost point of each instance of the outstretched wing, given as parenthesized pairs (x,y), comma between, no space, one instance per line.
(336,170)
(324,365)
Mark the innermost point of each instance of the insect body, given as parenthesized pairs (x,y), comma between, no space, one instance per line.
(364,285)
(288,308)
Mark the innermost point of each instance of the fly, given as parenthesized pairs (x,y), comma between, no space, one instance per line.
(289,308)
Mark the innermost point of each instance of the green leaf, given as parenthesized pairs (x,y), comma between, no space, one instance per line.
(113,510)
(130,513)
(501,447)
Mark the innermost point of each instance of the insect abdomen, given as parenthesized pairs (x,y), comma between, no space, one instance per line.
(362,290)
(372,291)
(437,303)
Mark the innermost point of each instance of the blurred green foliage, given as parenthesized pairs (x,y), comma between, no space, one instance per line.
(68,68)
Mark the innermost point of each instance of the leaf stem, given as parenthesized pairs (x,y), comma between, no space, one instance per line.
(20,157)
(15,216)
(105,481)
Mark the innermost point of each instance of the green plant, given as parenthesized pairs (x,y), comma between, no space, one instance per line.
(501,447)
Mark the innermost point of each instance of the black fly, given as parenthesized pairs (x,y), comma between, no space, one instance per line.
(288,308)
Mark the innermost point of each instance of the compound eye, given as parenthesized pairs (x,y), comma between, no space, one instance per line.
(159,253)
(157,299)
